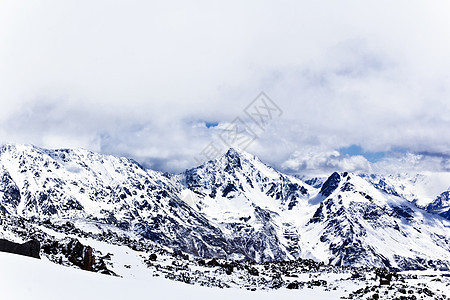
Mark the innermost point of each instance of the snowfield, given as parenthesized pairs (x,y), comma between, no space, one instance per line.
(23,277)
(27,278)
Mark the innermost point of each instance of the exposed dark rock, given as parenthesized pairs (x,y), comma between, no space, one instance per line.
(213,262)
(80,255)
(253,271)
(228,189)
(179,253)
(293,285)
(276,282)
(30,248)
(329,186)
(228,268)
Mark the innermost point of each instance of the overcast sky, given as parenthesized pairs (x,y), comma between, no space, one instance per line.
(362,85)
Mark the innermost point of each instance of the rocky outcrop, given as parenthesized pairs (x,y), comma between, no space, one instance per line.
(30,248)
(80,255)
(330,185)
(77,254)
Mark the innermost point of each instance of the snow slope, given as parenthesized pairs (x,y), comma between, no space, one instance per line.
(27,278)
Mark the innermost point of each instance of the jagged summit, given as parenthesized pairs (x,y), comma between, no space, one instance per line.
(236,158)
(233,159)
(235,152)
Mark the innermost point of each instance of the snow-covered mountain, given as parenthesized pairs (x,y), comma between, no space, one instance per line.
(420,189)
(349,220)
(250,202)
(363,225)
(441,205)
(236,207)
(81,186)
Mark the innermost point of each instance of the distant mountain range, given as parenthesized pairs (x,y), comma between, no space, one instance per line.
(236,207)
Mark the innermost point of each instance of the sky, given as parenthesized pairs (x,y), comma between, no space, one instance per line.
(353,85)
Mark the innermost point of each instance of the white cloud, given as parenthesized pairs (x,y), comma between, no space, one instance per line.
(133,78)
(409,162)
(320,163)
(315,162)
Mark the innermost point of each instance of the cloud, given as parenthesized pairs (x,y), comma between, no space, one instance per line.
(321,163)
(315,162)
(141,78)
(413,163)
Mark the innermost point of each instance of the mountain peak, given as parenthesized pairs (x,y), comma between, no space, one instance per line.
(235,152)
(233,158)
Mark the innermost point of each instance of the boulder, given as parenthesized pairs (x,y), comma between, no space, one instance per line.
(30,248)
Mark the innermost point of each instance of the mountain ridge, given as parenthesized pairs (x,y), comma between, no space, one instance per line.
(233,207)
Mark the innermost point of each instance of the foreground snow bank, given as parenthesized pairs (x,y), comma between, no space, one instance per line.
(28,278)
